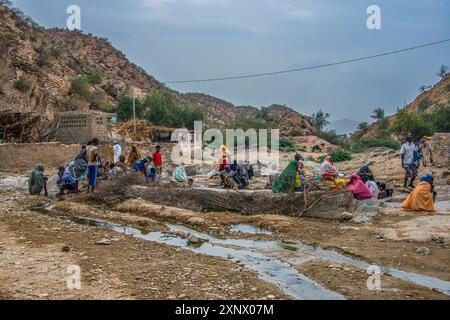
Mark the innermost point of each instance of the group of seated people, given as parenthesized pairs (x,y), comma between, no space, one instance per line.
(363,184)
(69,176)
(235,174)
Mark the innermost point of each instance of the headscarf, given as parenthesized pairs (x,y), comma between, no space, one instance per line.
(364,171)
(36,182)
(427,178)
(285,183)
(359,189)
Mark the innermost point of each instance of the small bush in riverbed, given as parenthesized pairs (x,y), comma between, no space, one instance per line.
(23,85)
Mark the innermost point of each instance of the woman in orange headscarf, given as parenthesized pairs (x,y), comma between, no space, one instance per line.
(422,198)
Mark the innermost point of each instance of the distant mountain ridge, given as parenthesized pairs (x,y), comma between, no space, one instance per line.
(344,126)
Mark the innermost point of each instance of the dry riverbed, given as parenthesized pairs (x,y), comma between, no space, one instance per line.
(146,255)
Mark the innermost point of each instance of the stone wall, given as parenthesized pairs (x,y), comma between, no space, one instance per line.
(441,149)
(25,156)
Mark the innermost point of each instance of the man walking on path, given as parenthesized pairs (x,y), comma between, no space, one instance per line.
(158,160)
(407,154)
(93,162)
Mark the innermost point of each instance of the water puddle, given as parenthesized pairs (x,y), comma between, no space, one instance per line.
(249,229)
(443,206)
(300,251)
(272,260)
(270,269)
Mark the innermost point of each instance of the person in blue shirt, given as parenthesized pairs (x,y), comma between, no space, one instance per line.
(66,181)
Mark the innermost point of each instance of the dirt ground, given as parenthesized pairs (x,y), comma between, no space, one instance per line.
(34,265)
(41,237)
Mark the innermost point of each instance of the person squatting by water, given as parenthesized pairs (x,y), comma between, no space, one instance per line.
(37,181)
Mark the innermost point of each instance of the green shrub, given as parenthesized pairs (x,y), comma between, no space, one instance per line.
(424,104)
(81,86)
(297,133)
(383,131)
(57,51)
(364,144)
(334,138)
(95,77)
(338,156)
(440,118)
(22,84)
(287,145)
(162,109)
(411,124)
(124,108)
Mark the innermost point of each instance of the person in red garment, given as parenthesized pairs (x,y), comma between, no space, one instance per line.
(158,160)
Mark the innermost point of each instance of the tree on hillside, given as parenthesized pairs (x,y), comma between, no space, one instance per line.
(378,114)
(319,120)
(363,126)
(424,104)
(443,70)
(440,118)
(424,88)
(411,124)
(6,3)
(162,109)
(124,108)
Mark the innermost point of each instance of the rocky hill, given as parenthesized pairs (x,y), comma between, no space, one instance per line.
(38,67)
(439,94)
(220,112)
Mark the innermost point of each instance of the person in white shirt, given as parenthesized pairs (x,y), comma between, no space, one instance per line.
(117,152)
(407,154)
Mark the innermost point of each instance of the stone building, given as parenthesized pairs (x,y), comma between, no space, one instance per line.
(441,149)
(79,128)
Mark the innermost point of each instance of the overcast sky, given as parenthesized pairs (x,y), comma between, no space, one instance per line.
(185,39)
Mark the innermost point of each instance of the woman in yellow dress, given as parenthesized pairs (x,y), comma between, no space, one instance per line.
(422,198)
